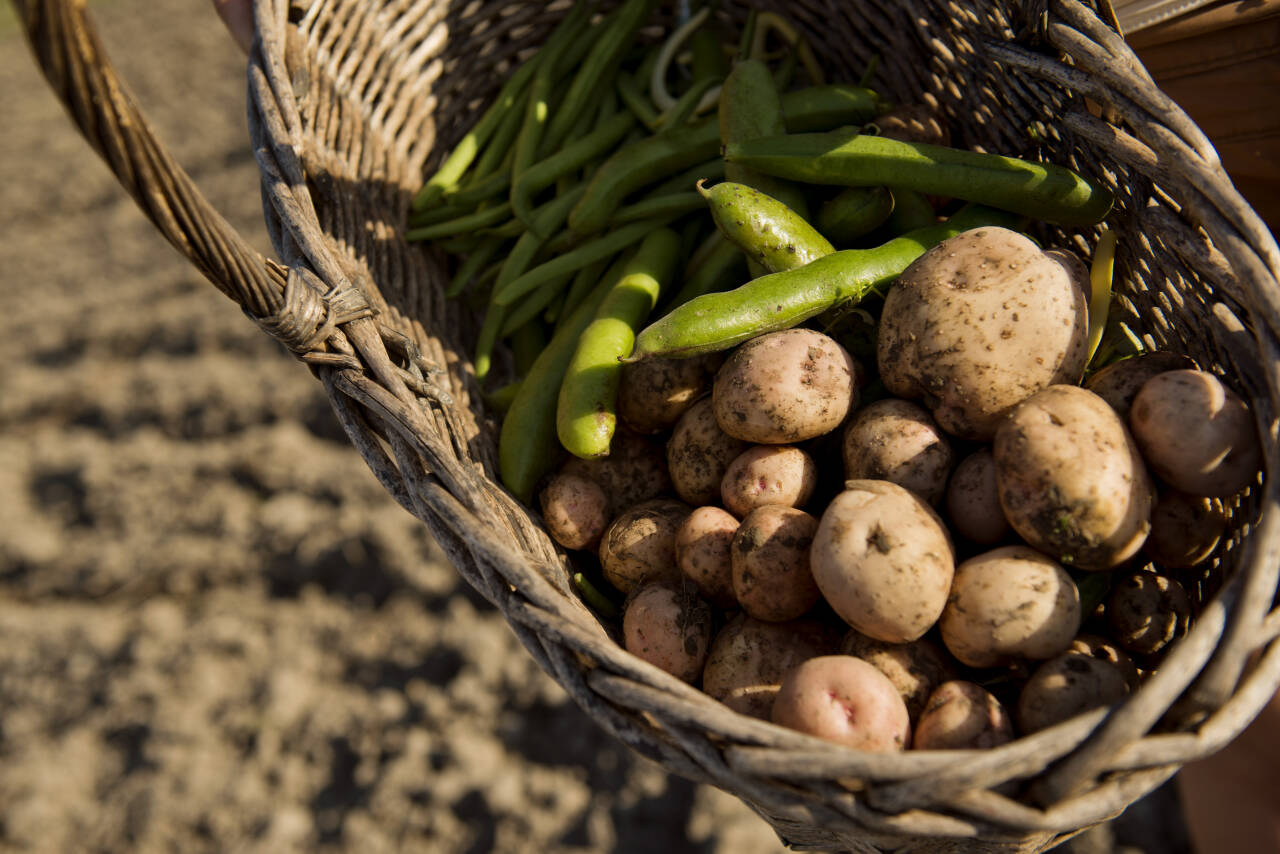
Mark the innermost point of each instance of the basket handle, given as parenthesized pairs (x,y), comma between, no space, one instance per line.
(72,58)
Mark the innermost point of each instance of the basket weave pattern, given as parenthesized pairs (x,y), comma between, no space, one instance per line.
(351,99)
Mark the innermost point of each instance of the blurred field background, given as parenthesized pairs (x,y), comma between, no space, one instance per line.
(217,632)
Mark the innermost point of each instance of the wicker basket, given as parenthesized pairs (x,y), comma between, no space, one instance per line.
(351,99)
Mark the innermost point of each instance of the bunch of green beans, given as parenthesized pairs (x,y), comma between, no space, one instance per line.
(593,192)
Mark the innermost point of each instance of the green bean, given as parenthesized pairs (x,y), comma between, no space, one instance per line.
(599,68)
(594,598)
(471,267)
(911,210)
(656,157)
(1041,190)
(481,190)
(855,212)
(462,224)
(586,413)
(583,281)
(500,399)
(750,108)
(709,61)
(712,170)
(527,342)
(548,218)
(455,165)
(532,304)
(486,338)
(786,70)
(672,204)
(723,266)
(687,104)
(527,444)
(636,102)
(570,158)
(781,300)
(572,261)
(767,231)
(500,152)
(438,214)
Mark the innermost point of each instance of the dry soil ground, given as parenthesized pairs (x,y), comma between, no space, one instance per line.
(217,632)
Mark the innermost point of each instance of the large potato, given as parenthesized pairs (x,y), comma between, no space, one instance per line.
(703,553)
(639,545)
(883,560)
(845,700)
(1119,383)
(749,657)
(898,441)
(1071,480)
(915,668)
(768,474)
(667,625)
(699,453)
(1010,603)
(1196,434)
(1065,686)
(784,387)
(973,500)
(654,393)
(980,323)
(770,558)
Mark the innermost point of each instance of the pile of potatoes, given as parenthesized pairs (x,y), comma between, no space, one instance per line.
(894,558)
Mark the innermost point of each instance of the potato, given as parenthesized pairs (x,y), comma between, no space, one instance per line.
(1185,529)
(1071,481)
(770,558)
(1095,646)
(1065,686)
(784,387)
(749,657)
(1118,383)
(898,441)
(668,626)
(980,323)
(1147,611)
(883,561)
(1196,434)
(915,668)
(768,474)
(634,471)
(1009,603)
(575,510)
(845,700)
(973,501)
(654,393)
(639,545)
(962,716)
(702,545)
(699,453)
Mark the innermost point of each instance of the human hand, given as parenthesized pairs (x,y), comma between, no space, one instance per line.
(238,16)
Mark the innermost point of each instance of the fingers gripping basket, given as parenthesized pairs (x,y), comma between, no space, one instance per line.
(350,99)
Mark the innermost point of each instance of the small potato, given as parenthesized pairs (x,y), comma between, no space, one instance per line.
(915,668)
(883,561)
(962,716)
(784,387)
(654,393)
(1010,603)
(1065,686)
(768,474)
(770,557)
(703,553)
(898,441)
(699,453)
(1103,649)
(1196,434)
(1147,611)
(973,500)
(575,510)
(749,657)
(1118,384)
(668,626)
(981,322)
(1185,529)
(634,471)
(845,700)
(1071,481)
(639,545)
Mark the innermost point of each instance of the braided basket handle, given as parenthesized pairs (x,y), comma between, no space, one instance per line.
(69,52)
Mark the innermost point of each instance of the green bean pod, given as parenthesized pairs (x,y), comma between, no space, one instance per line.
(750,108)
(911,210)
(586,413)
(1043,191)
(657,157)
(672,204)
(461,225)
(854,212)
(767,231)
(537,111)
(782,300)
(527,445)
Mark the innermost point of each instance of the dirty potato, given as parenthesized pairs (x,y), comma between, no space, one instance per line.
(749,657)
(914,668)
(768,474)
(845,700)
(962,716)
(1065,686)
(575,510)
(635,470)
(699,453)
(883,560)
(898,441)
(980,323)
(973,500)
(1071,480)
(784,387)
(1119,383)
(770,559)
(703,553)
(639,544)
(669,626)
(654,393)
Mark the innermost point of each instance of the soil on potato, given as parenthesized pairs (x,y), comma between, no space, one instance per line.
(217,631)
